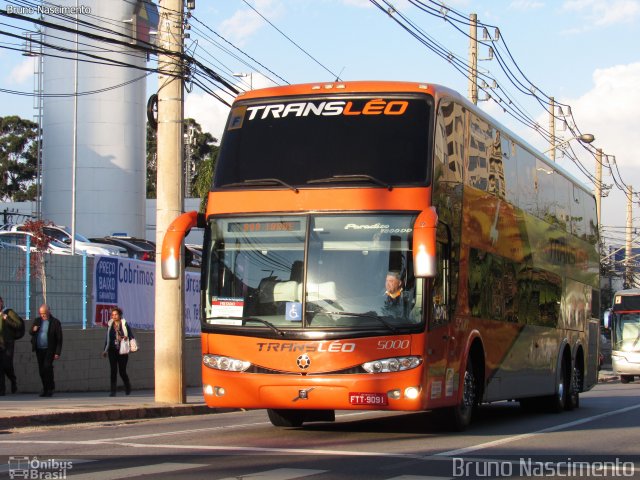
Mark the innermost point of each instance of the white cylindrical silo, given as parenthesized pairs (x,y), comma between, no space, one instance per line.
(110,166)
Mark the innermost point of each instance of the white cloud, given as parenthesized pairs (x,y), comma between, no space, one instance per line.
(358,3)
(210,113)
(245,23)
(525,5)
(603,13)
(609,111)
(21,72)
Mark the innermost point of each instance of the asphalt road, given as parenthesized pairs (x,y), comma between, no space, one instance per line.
(598,440)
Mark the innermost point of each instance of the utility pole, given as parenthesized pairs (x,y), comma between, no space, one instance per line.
(169,302)
(628,276)
(552,129)
(473,58)
(189,138)
(599,186)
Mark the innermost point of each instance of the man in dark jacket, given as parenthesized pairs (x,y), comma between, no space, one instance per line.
(46,340)
(10,324)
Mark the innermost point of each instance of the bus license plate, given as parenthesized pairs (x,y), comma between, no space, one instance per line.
(357,398)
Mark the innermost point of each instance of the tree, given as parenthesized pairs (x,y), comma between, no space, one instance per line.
(18,158)
(203,177)
(204,153)
(40,242)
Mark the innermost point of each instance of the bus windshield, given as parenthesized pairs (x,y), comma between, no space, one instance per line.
(256,275)
(626,332)
(363,140)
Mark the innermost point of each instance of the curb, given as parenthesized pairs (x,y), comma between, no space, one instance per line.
(102,415)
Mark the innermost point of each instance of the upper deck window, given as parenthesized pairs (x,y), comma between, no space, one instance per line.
(386,137)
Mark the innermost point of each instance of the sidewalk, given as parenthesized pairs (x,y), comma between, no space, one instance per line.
(28,409)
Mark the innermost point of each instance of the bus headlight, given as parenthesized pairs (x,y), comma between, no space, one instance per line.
(394,364)
(227,364)
(412,392)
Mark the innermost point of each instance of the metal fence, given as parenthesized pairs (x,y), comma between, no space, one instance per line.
(68,280)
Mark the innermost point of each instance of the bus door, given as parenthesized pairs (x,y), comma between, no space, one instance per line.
(441,379)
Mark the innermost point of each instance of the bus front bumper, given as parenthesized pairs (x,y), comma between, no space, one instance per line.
(397,391)
(626,363)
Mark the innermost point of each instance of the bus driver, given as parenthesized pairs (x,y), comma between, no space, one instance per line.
(395,303)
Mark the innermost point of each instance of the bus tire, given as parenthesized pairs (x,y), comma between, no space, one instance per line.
(559,401)
(461,414)
(626,378)
(286,418)
(573,398)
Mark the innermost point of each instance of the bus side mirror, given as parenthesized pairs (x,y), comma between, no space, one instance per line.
(172,243)
(607,319)
(424,243)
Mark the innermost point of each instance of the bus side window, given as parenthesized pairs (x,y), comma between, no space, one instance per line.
(440,289)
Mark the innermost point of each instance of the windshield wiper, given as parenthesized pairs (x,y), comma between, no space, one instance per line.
(261,181)
(352,178)
(365,315)
(251,319)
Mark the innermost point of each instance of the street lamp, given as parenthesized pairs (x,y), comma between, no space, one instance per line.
(584,138)
(245,75)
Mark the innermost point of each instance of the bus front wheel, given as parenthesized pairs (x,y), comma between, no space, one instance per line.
(626,378)
(461,413)
(286,418)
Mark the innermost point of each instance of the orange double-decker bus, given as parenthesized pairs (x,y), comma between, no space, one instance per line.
(389,246)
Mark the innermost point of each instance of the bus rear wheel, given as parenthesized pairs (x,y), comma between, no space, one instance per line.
(559,401)
(286,418)
(573,399)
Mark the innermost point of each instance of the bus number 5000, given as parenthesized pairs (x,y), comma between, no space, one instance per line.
(392,344)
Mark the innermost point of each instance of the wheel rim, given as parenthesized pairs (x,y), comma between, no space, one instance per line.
(561,389)
(469,390)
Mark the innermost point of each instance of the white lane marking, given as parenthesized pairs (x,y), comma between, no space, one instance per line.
(136,471)
(184,432)
(555,428)
(280,474)
(266,450)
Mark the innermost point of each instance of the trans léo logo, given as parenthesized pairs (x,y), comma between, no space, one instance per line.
(376,106)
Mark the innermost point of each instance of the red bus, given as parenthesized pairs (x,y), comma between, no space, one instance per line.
(389,246)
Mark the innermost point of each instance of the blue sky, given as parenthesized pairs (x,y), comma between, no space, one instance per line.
(580,52)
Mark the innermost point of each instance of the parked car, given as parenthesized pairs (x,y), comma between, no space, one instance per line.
(136,248)
(8,246)
(193,255)
(82,243)
(141,242)
(19,239)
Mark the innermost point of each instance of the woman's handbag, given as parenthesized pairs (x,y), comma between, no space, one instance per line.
(133,345)
(125,347)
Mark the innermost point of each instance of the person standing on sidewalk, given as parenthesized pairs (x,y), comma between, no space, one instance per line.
(46,340)
(117,331)
(11,329)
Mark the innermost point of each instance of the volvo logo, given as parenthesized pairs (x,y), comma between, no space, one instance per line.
(303,361)
(303,394)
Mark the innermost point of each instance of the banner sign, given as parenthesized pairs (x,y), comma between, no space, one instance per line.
(130,285)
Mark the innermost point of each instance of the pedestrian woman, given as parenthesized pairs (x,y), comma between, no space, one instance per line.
(118,331)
